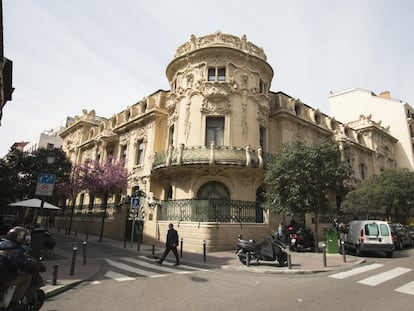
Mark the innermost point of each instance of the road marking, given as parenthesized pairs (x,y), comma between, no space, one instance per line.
(118,276)
(183,266)
(151,265)
(132,269)
(346,274)
(406,289)
(385,276)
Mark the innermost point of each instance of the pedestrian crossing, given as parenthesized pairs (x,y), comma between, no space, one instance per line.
(131,268)
(378,278)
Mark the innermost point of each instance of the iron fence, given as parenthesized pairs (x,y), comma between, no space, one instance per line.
(212,210)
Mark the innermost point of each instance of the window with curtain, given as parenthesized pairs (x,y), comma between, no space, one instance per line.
(215,130)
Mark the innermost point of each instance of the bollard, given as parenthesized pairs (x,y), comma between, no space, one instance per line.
(86,236)
(324,254)
(289,262)
(84,253)
(66,231)
(72,266)
(55,273)
(343,250)
(247,259)
(58,229)
(181,248)
(138,246)
(204,250)
(124,243)
(153,250)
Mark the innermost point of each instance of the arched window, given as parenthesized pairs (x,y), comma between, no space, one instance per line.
(213,190)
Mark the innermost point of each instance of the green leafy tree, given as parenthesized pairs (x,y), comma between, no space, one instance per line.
(389,192)
(19,173)
(104,180)
(300,178)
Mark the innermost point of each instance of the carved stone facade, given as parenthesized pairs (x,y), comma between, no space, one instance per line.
(215,126)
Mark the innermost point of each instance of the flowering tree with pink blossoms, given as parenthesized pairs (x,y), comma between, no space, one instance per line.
(103,179)
(73,185)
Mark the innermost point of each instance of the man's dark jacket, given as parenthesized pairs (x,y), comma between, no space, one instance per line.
(172,237)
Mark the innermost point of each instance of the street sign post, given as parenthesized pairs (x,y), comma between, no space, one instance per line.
(135,204)
(45,184)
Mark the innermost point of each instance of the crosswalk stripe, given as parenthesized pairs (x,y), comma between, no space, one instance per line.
(385,276)
(406,289)
(118,276)
(183,266)
(346,274)
(151,265)
(132,269)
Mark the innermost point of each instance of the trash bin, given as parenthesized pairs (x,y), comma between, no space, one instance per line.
(37,242)
(331,241)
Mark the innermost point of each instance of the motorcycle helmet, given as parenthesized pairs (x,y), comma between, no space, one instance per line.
(19,235)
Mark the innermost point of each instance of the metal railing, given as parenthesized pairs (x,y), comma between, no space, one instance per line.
(212,210)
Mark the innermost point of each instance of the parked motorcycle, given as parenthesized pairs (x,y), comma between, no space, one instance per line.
(34,296)
(270,250)
(301,239)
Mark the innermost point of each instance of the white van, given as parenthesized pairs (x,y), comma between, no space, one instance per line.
(363,236)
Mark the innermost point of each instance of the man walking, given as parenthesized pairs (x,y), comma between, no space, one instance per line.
(171,245)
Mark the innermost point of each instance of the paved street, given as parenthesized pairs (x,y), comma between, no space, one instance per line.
(381,284)
(123,278)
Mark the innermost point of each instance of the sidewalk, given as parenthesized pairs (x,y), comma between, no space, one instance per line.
(301,262)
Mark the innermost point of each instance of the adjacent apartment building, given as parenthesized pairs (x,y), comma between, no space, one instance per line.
(199,150)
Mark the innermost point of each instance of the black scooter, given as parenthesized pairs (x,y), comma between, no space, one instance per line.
(270,250)
(34,296)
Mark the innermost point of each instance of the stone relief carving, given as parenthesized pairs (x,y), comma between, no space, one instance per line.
(219,38)
(187,122)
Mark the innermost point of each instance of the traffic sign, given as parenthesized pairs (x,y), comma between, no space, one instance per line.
(45,184)
(44,178)
(135,202)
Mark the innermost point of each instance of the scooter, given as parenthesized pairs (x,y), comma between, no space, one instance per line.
(33,298)
(302,239)
(270,250)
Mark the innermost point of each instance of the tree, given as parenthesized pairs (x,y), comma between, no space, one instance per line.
(19,172)
(300,178)
(103,180)
(389,192)
(72,187)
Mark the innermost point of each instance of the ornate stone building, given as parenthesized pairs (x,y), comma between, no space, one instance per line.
(199,150)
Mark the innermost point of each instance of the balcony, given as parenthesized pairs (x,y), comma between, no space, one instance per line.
(223,155)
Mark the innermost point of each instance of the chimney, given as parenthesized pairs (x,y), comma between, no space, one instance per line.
(385,94)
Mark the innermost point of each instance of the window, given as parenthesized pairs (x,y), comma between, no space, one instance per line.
(171,136)
(262,87)
(123,152)
(215,130)
(140,152)
(50,146)
(262,138)
(213,190)
(362,170)
(217,74)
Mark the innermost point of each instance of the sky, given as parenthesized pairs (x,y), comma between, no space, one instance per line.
(70,55)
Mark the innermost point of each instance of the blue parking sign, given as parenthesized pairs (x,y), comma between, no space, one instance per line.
(44,178)
(135,202)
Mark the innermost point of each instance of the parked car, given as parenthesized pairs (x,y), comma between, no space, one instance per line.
(411,232)
(7,222)
(364,236)
(401,236)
